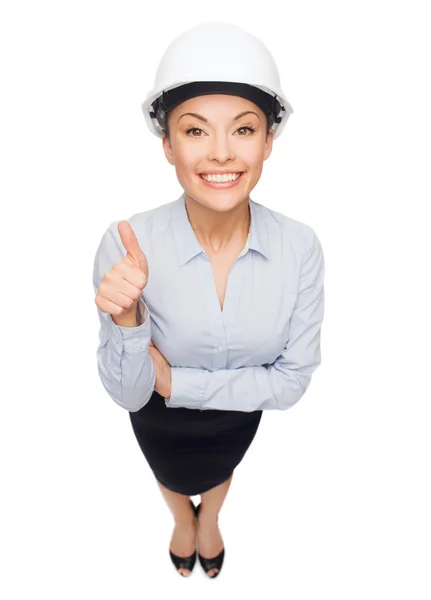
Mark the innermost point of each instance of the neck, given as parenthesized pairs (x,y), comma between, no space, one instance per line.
(219,230)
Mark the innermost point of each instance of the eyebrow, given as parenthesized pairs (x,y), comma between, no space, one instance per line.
(246,112)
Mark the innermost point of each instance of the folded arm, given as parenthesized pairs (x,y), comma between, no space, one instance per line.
(279,385)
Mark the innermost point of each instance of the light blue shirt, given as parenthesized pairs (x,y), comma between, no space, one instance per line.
(258,353)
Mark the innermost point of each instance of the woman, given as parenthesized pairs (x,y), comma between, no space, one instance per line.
(234,290)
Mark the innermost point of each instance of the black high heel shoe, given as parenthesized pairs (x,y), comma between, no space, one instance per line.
(210,563)
(187,562)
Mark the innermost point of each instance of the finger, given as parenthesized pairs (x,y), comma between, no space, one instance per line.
(131,244)
(123,295)
(131,274)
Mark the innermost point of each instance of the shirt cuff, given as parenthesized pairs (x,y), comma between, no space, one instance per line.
(188,388)
(134,339)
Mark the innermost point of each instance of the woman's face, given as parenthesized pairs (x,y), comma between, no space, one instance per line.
(222,142)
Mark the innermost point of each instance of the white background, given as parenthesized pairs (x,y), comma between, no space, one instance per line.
(332,499)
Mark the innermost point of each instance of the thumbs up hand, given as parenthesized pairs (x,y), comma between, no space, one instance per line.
(121,286)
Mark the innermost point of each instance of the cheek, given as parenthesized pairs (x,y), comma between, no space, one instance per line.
(186,159)
(250,153)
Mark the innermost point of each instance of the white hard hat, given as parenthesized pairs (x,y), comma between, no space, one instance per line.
(216,58)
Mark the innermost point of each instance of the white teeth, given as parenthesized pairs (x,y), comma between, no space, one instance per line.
(221,178)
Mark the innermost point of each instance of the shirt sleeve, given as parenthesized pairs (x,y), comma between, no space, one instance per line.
(277,386)
(125,366)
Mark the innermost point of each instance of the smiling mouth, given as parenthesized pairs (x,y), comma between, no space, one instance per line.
(222,183)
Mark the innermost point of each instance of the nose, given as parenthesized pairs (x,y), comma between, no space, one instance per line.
(221,148)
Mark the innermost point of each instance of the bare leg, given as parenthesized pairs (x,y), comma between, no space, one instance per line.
(183,541)
(210,542)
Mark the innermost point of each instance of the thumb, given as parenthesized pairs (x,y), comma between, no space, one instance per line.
(131,244)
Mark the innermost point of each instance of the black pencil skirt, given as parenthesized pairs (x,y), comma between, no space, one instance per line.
(191,451)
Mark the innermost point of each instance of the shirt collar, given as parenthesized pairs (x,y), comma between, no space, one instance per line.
(188,246)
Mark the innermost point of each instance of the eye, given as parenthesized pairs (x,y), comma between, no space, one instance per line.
(249,128)
(252,129)
(193,129)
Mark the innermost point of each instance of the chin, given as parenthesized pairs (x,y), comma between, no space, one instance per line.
(221,203)
(217,199)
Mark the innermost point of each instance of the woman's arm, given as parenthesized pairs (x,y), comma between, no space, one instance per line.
(125,366)
(279,385)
